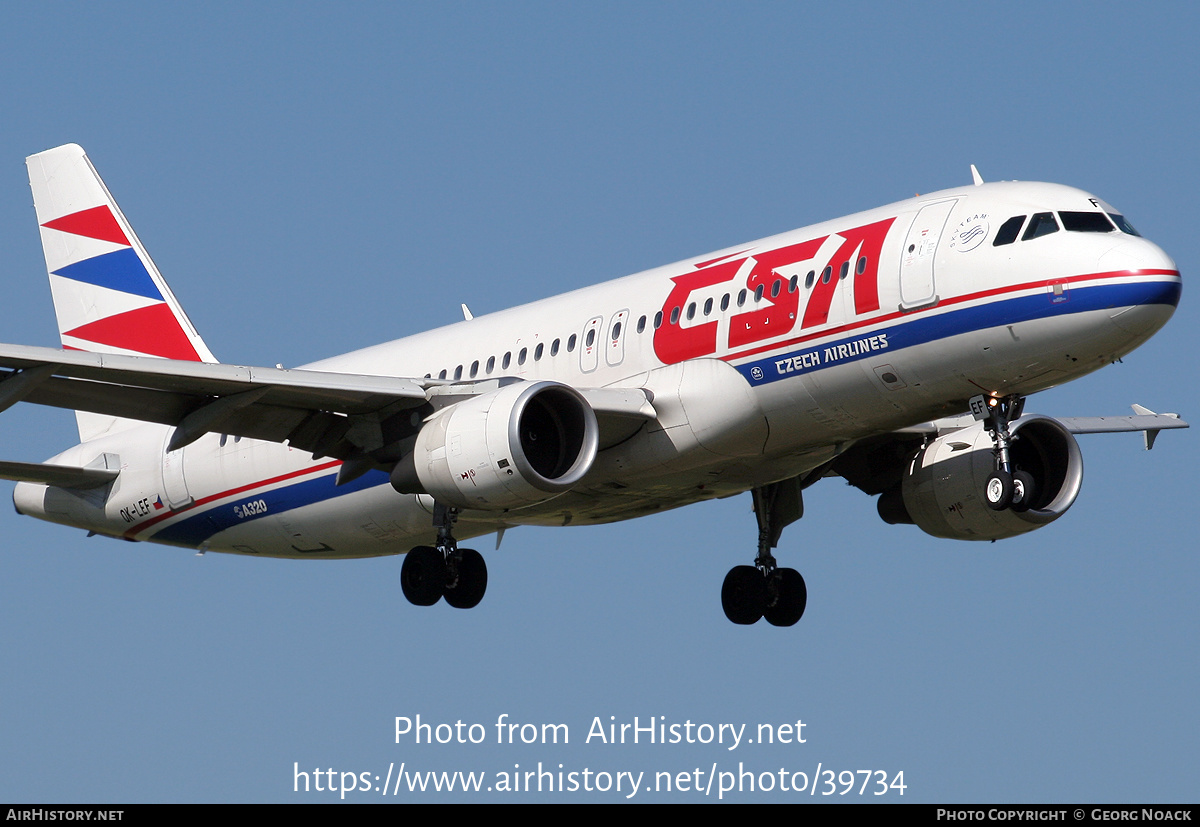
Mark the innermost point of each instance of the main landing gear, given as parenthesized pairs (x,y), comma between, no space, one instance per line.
(764,590)
(1007,487)
(431,573)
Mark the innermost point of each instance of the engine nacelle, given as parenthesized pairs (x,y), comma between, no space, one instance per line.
(942,488)
(516,446)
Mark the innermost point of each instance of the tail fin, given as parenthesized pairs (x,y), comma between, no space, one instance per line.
(108,295)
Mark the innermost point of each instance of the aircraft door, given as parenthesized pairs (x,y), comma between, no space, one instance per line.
(174,483)
(614,349)
(917,285)
(589,346)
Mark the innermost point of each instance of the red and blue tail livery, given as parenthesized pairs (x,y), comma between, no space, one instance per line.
(108,295)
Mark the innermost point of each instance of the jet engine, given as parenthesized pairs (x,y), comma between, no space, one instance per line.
(512,447)
(942,488)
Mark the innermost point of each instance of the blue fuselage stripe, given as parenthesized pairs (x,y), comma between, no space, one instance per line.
(923,329)
(194,530)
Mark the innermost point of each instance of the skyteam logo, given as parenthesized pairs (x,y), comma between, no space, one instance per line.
(970,233)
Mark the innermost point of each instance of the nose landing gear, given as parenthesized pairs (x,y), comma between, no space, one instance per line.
(1006,487)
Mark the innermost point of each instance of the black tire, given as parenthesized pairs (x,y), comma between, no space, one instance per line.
(472,580)
(744,595)
(998,490)
(1024,491)
(423,576)
(792,598)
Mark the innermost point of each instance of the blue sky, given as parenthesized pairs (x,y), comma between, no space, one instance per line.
(313,179)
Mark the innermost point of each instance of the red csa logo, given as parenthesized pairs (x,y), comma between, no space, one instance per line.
(858,254)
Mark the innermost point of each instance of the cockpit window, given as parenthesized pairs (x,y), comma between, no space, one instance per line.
(1085,222)
(1041,224)
(1007,233)
(1123,225)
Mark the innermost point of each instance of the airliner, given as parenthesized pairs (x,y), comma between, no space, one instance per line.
(893,348)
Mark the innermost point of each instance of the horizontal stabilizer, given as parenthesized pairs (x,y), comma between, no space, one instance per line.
(61,476)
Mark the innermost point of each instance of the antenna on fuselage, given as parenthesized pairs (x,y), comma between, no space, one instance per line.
(975,176)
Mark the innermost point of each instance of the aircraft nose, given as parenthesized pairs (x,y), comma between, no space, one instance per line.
(1140,257)
(1152,294)
(1137,254)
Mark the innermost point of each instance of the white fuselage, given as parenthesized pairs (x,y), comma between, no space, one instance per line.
(763,361)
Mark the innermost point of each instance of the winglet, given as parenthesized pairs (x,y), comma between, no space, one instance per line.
(467,313)
(975,176)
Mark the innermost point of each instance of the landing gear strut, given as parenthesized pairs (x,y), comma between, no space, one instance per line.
(764,590)
(430,573)
(1006,487)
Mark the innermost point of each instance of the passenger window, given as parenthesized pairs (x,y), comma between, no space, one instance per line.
(845,270)
(1041,224)
(458,373)
(810,279)
(691,314)
(571,344)
(491,365)
(775,288)
(641,325)
(474,368)
(758,293)
(537,353)
(616,331)
(521,356)
(741,298)
(793,284)
(708,306)
(725,302)
(1086,222)
(675,315)
(826,274)
(442,375)
(507,360)
(862,266)
(591,337)
(658,320)
(554,348)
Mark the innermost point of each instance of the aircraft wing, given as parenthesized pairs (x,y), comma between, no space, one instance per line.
(1143,419)
(876,464)
(348,416)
